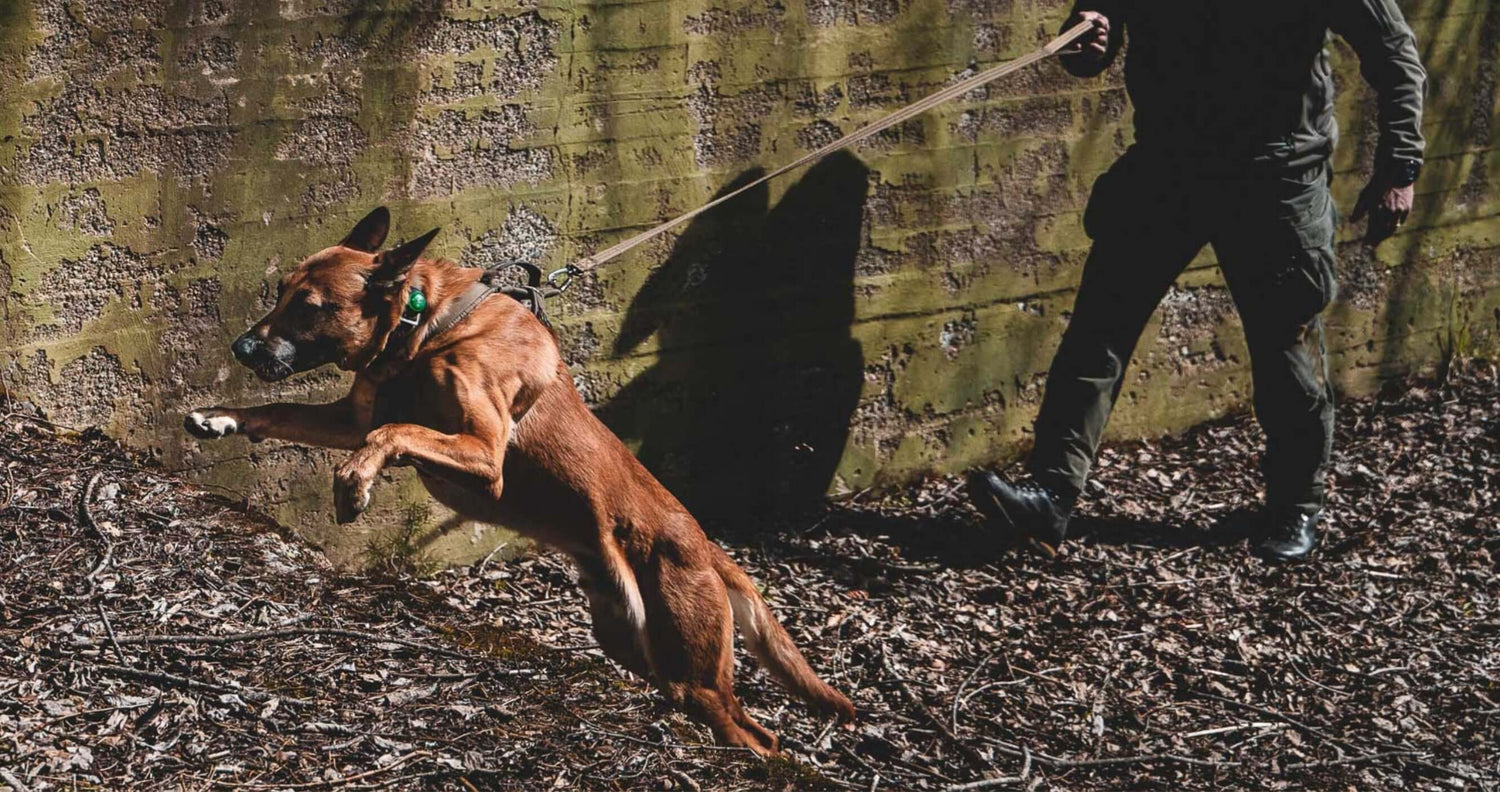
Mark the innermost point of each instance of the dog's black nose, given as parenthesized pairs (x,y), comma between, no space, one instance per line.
(244,348)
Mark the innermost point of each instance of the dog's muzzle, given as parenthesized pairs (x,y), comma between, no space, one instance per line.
(271,359)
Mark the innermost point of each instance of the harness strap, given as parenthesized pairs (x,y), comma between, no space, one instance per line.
(460,309)
(533,295)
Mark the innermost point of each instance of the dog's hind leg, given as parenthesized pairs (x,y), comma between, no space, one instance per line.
(722,713)
(691,634)
(618,627)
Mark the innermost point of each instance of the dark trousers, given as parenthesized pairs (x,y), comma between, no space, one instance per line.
(1273,233)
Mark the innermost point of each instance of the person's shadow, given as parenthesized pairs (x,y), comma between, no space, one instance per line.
(745,413)
(954,537)
(1229,528)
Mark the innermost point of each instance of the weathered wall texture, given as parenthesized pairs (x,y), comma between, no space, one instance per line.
(883,314)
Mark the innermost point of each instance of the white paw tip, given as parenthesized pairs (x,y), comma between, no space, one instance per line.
(220,425)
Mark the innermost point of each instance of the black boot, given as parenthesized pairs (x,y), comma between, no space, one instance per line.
(1029,510)
(1290,536)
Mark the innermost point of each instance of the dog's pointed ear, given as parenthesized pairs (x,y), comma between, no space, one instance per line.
(369,234)
(392,265)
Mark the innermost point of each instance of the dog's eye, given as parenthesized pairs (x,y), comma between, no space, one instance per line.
(314,302)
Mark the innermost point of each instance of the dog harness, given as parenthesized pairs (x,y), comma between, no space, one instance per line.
(532,294)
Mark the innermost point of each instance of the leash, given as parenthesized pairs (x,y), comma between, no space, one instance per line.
(560,279)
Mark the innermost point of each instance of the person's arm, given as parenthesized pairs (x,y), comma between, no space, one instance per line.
(1388,60)
(1092,54)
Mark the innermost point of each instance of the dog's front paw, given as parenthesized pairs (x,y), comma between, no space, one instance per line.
(351,489)
(211,423)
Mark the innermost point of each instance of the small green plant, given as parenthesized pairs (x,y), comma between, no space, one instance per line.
(1455,343)
(402,551)
(780,772)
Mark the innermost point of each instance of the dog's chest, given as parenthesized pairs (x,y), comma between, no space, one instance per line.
(422,402)
(417,400)
(398,401)
(532,502)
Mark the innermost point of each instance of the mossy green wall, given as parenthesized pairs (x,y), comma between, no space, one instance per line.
(884,314)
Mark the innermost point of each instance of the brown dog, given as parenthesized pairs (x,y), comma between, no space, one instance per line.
(474,393)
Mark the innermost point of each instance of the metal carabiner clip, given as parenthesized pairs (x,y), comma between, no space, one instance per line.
(561,279)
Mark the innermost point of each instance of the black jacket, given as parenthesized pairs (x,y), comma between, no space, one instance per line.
(1239,81)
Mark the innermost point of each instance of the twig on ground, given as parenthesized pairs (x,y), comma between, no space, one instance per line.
(958,695)
(345,781)
(1061,763)
(284,632)
(1228,729)
(85,516)
(947,495)
(828,727)
(1138,759)
(696,746)
(921,706)
(684,779)
(319,727)
(110,631)
(1479,782)
(987,783)
(249,694)
(479,572)
(1270,713)
(1362,755)
(1349,760)
(49,725)
(16,784)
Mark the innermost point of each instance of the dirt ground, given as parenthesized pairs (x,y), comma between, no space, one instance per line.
(153,636)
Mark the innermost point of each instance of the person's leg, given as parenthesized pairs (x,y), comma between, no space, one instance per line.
(1276,250)
(1124,280)
(1145,231)
(1145,228)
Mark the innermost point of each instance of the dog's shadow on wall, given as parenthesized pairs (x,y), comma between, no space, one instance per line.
(745,412)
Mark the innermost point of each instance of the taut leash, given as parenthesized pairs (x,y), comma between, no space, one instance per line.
(559,279)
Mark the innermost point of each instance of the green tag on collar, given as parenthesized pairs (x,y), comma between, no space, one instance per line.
(416,302)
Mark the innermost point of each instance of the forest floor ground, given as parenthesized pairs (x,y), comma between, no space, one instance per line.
(156,637)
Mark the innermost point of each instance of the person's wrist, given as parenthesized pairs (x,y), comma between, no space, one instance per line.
(1400,171)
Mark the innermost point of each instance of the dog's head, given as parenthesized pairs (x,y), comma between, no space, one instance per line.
(337,306)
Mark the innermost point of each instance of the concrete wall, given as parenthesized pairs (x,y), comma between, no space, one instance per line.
(887,313)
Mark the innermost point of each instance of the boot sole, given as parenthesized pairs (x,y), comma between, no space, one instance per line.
(990,506)
(1281,560)
(1284,560)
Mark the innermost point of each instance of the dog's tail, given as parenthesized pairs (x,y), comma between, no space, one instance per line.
(770,644)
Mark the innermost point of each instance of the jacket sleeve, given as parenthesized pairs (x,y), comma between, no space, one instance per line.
(1388,60)
(1113,10)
